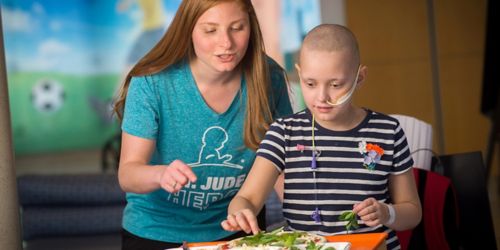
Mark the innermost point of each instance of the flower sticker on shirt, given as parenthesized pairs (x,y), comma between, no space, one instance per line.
(372,154)
(301,148)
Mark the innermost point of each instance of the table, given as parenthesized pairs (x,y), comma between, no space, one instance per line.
(375,241)
(368,241)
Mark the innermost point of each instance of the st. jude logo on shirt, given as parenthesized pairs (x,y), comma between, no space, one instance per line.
(219,175)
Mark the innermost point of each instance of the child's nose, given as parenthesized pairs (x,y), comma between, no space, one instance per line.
(324,94)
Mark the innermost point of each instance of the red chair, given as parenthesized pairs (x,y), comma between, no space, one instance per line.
(439,226)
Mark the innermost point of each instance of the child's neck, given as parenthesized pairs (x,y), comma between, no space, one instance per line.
(346,120)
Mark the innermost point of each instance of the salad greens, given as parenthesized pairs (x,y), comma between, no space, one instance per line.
(281,238)
(285,239)
(350,217)
(312,246)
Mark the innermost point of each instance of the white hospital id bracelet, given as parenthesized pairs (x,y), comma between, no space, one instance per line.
(392,215)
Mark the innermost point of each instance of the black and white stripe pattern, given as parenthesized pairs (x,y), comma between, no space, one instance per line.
(341,179)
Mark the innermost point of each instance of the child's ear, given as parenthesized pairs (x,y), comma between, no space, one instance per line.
(297,67)
(363,71)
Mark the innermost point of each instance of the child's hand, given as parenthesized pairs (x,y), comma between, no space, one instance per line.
(242,220)
(372,212)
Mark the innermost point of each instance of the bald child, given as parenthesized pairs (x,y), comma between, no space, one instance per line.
(336,157)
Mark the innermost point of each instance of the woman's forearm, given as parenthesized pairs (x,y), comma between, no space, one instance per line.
(139,178)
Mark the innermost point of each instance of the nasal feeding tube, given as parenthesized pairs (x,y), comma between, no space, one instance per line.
(348,95)
(316,214)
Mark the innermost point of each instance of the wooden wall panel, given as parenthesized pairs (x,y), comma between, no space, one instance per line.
(461,26)
(389,31)
(398,89)
(394,43)
(466,129)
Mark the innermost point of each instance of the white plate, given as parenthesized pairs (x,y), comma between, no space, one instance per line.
(336,245)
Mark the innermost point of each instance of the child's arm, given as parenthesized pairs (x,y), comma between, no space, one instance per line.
(406,204)
(279,186)
(251,197)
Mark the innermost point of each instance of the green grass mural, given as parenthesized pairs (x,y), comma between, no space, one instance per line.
(54,112)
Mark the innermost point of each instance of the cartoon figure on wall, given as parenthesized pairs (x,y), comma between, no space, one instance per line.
(153,25)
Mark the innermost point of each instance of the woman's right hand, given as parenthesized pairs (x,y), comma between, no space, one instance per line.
(175,176)
(244,219)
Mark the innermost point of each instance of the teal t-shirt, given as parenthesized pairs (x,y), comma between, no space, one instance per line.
(167,107)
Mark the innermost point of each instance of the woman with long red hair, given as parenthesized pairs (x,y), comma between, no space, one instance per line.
(193,111)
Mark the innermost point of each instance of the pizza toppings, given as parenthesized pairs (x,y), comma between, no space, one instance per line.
(279,239)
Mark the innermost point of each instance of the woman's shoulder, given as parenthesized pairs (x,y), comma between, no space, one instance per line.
(273,65)
(171,72)
(276,71)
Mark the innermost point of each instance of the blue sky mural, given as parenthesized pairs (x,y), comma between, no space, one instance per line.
(77,36)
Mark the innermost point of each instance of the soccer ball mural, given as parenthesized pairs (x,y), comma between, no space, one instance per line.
(47,96)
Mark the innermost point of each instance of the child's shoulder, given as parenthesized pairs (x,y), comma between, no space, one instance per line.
(297,117)
(382,117)
(303,114)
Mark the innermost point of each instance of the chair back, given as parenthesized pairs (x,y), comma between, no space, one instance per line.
(419,136)
(438,229)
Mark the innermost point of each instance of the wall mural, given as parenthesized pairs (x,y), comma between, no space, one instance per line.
(65,60)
